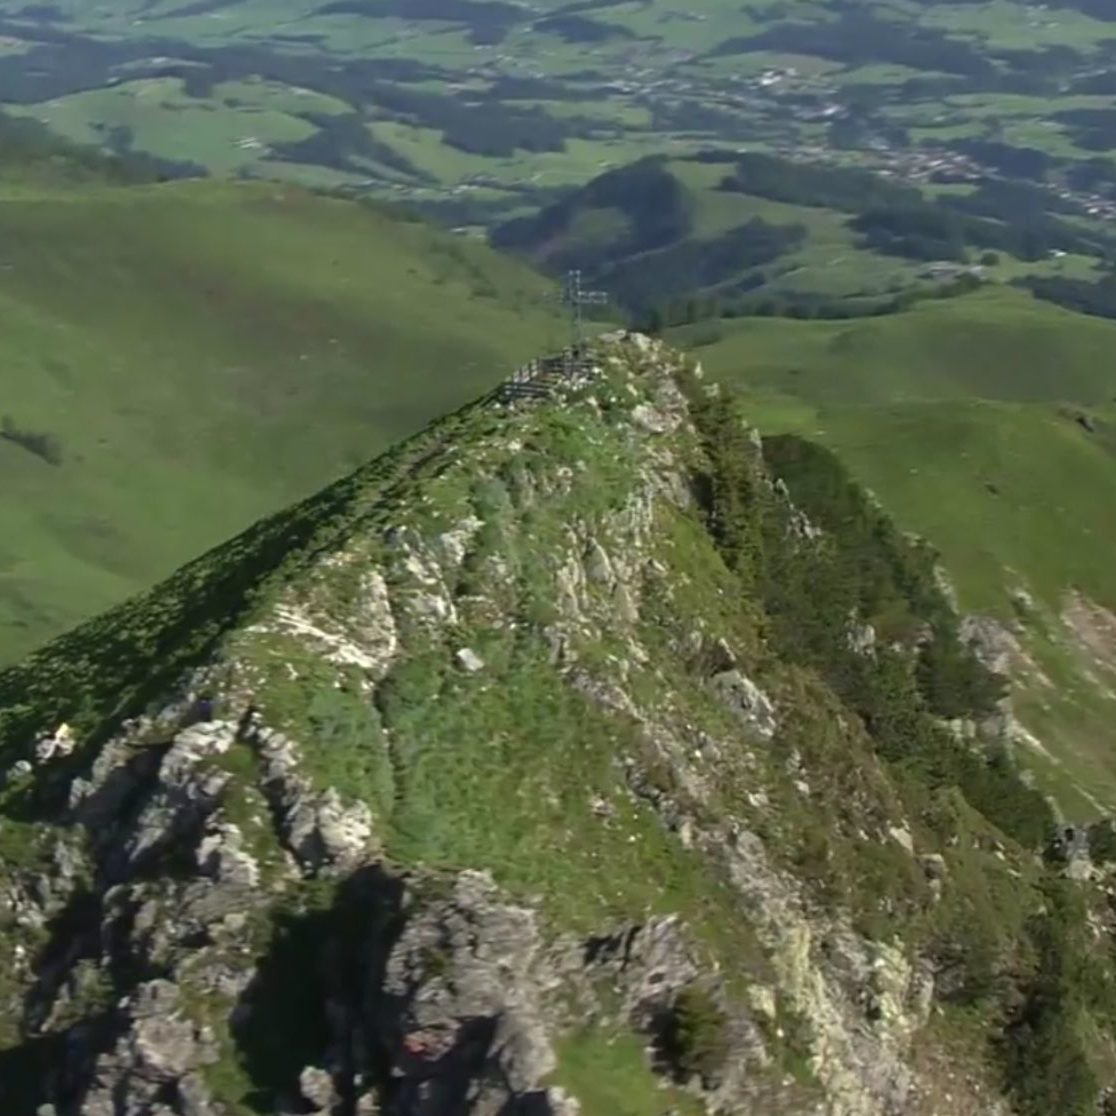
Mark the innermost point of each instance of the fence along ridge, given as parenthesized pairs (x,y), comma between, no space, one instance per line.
(542,378)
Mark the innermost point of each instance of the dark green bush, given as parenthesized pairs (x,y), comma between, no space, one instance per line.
(1046,1046)
(695,1036)
(860,568)
(1102,841)
(45,446)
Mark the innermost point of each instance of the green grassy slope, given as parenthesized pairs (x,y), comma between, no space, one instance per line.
(997,486)
(203,354)
(996,343)
(962,418)
(1014,497)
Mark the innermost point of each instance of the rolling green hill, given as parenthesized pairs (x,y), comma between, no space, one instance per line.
(995,343)
(178,359)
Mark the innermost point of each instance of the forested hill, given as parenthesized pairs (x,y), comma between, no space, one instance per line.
(722,234)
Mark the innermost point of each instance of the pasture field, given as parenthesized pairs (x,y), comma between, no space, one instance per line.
(461,91)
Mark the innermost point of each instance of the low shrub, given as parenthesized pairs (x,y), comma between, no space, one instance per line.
(45,446)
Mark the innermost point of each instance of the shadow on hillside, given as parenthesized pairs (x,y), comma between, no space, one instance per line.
(26,1070)
(323,968)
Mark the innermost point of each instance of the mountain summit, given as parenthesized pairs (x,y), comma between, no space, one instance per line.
(586,753)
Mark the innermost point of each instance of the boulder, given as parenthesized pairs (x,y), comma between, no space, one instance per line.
(469,661)
(744,698)
(317,1088)
(652,420)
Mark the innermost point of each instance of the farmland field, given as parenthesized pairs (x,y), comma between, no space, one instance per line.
(484,106)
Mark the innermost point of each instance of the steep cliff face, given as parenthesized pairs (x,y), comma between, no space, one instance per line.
(563,761)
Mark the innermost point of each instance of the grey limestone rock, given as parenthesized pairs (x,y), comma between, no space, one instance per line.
(316,1086)
(747,701)
(469,661)
(463,1004)
(159,1048)
(654,421)
(220,855)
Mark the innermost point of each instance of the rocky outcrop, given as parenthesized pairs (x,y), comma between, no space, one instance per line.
(747,701)
(153,1067)
(461,1007)
(315,825)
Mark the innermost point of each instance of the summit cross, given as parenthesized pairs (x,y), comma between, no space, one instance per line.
(575,296)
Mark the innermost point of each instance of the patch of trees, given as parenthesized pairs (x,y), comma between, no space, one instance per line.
(344,142)
(1008,159)
(44,446)
(935,87)
(198,7)
(510,87)
(26,146)
(857,37)
(693,1036)
(937,230)
(459,211)
(123,163)
(692,265)
(46,13)
(1098,9)
(712,156)
(860,569)
(1097,298)
(577,6)
(481,126)
(348,79)
(62,63)
(352,80)
(1102,841)
(654,203)
(303,38)
(1102,82)
(814,184)
(578,29)
(696,117)
(917,231)
(1092,129)
(1038,71)
(1012,202)
(489,21)
(1096,175)
(691,310)
(1045,1052)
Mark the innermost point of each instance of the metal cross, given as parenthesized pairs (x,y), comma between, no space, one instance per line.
(575,296)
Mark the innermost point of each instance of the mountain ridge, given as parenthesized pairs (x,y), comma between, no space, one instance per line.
(569,682)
